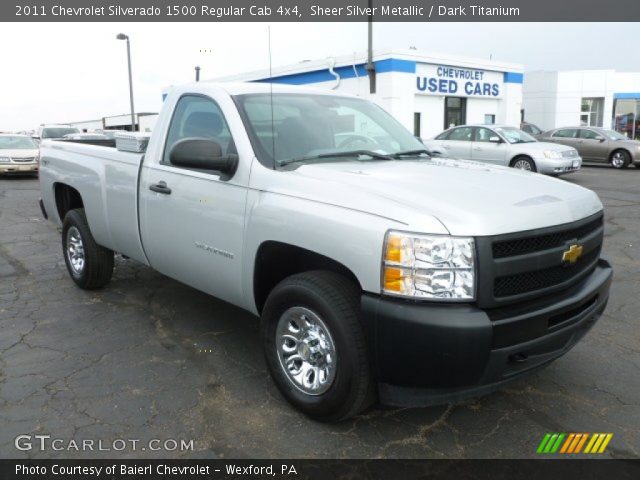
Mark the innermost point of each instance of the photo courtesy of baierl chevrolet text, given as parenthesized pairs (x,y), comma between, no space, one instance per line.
(312,239)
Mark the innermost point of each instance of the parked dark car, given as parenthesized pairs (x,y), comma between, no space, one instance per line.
(531,129)
(598,145)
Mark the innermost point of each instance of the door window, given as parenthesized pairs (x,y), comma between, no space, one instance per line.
(198,117)
(566,133)
(484,134)
(589,134)
(463,134)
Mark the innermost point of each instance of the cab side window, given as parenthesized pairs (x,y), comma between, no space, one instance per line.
(461,134)
(566,133)
(198,117)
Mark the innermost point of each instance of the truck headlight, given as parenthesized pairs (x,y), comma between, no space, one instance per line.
(437,267)
(552,154)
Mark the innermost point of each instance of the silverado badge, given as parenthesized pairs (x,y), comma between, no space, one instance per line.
(572,255)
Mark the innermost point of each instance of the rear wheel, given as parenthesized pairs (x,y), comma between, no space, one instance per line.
(524,163)
(315,346)
(89,264)
(620,159)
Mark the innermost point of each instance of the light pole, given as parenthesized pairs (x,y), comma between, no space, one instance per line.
(122,36)
(197,74)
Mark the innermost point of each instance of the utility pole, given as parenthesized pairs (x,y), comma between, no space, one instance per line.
(371,68)
(122,36)
(197,74)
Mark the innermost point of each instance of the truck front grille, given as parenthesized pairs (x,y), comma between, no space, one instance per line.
(527,265)
(539,279)
(519,246)
(23,160)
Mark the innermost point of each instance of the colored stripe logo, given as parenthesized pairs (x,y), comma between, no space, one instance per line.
(572,443)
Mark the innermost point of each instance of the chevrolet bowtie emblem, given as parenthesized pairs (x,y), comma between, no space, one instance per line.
(572,255)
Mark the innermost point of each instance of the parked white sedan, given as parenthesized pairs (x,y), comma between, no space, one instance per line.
(18,154)
(504,145)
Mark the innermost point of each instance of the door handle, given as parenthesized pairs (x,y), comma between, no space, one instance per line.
(160,187)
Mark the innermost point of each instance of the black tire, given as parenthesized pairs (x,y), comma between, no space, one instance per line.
(620,159)
(98,261)
(522,160)
(336,301)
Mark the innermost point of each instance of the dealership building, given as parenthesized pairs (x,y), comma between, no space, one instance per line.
(425,92)
(599,98)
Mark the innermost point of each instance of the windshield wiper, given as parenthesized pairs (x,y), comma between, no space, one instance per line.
(351,153)
(411,153)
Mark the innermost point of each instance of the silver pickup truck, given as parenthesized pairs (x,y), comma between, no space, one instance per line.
(377,271)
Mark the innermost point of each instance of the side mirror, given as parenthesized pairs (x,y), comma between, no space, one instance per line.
(600,139)
(202,154)
(494,139)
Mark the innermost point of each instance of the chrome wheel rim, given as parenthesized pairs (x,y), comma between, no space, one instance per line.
(306,351)
(522,165)
(75,250)
(617,160)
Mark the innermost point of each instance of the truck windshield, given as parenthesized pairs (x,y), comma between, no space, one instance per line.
(17,143)
(299,127)
(58,132)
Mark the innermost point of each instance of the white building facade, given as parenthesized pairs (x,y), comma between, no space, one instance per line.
(426,93)
(598,98)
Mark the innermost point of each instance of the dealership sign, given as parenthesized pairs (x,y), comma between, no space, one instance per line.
(458,82)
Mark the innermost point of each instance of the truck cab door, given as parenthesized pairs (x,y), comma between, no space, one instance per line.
(191,220)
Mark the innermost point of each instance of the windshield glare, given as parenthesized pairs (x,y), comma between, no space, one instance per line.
(58,132)
(299,126)
(613,135)
(515,135)
(17,143)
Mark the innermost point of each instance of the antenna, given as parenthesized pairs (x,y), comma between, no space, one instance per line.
(273,133)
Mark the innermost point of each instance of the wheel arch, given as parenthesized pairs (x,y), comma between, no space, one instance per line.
(275,261)
(66,198)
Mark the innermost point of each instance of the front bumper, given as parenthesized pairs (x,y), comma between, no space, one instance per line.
(18,167)
(553,166)
(427,353)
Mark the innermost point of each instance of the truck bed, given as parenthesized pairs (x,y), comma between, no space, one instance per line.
(106,179)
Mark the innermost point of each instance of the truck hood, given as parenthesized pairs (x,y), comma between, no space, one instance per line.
(467,197)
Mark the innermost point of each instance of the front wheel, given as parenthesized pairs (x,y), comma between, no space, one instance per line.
(315,347)
(89,264)
(524,163)
(620,159)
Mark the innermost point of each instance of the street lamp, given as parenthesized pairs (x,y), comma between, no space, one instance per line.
(122,36)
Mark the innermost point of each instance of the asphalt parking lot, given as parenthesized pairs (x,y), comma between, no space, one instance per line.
(148,358)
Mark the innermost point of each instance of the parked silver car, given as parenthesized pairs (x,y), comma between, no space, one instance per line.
(598,145)
(505,145)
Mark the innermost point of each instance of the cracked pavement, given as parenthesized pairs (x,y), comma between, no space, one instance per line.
(149,358)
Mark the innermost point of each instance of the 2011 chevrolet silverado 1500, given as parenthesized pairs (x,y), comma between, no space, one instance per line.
(377,271)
